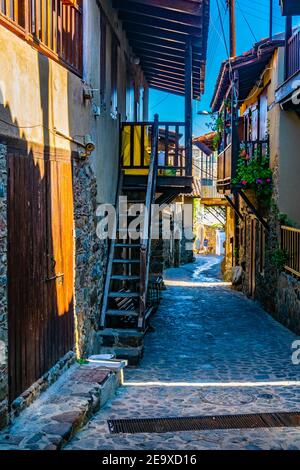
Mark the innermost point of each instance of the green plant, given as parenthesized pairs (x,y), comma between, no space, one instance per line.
(279,258)
(254,172)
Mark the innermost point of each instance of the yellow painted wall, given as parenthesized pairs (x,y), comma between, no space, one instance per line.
(38,95)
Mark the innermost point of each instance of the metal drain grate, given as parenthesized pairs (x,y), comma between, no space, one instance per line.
(163,425)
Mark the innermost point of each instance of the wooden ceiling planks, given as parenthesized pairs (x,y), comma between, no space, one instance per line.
(158,31)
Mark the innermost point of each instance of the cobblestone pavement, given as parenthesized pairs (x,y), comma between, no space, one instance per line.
(212,352)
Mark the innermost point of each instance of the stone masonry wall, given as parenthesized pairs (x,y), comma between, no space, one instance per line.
(3,287)
(90,260)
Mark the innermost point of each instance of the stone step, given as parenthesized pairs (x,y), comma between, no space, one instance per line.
(59,413)
(120,338)
(123,295)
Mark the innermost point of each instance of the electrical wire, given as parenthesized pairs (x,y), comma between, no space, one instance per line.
(247,22)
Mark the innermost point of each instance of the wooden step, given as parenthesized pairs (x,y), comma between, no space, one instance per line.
(120,277)
(123,295)
(126,261)
(122,313)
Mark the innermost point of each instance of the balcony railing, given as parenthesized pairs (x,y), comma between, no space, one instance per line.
(293,65)
(54,27)
(227,160)
(290,244)
(255,148)
(136,148)
(224,169)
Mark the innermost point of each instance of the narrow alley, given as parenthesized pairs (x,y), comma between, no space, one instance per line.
(212,351)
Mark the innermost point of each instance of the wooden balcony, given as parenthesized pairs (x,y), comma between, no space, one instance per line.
(227,162)
(287,89)
(293,65)
(174,168)
(290,244)
(225,167)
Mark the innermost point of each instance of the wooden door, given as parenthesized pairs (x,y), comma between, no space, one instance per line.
(40,265)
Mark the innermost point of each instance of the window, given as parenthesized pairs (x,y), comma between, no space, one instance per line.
(52,26)
(263,115)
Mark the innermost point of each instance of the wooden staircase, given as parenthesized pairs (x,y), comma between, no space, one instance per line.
(125,309)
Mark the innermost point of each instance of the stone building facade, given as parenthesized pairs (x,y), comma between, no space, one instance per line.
(58,113)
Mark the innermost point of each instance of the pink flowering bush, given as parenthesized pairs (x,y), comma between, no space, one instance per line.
(254,172)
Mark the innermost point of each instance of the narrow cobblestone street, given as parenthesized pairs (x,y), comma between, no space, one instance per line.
(212,351)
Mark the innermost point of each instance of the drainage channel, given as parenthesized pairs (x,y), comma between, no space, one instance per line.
(201,423)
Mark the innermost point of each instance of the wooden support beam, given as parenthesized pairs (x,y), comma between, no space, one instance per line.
(181,17)
(163,60)
(156,51)
(149,71)
(253,209)
(168,81)
(190,7)
(135,31)
(171,81)
(165,43)
(175,87)
(166,89)
(144,20)
(165,65)
(165,46)
(234,207)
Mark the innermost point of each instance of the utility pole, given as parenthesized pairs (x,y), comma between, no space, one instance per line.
(231,5)
(271,19)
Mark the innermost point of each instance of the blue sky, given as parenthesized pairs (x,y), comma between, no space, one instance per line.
(171,107)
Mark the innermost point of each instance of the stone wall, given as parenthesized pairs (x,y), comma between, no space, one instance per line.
(90,260)
(288,302)
(3,287)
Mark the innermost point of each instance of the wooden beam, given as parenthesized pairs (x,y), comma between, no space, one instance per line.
(191,7)
(155,13)
(165,43)
(147,59)
(155,51)
(169,87)
(165,46)
(150,31)
(170,80)
(167,64)
(140,19)
(170,73)
(165,89)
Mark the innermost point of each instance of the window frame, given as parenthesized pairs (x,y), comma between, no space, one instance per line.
(67,14)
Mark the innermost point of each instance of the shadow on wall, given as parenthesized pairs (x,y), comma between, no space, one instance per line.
(38,320)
